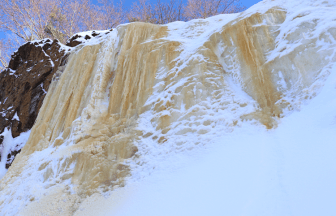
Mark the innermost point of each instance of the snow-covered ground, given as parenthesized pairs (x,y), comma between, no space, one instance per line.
(290,170)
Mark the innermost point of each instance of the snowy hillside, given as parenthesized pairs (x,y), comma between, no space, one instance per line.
(231,115)
(251,171)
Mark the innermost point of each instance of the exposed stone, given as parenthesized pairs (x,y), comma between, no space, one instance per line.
(24,84)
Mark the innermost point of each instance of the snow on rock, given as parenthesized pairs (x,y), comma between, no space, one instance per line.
(9,147)
(16,117)
(145,100)
(84,37)
(24,83)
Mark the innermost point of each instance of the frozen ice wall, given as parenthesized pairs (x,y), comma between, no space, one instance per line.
(145,90)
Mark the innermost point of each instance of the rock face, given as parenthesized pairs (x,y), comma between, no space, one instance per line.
(144,90)
(24,84)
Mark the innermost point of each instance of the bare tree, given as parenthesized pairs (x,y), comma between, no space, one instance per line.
(175,10)
(70,18)
(169,12)
(26,18)
(37,19)
(4,58)
(73,16)
(159,13)
(206,8)
(141,11)
(112,14)
(54,26)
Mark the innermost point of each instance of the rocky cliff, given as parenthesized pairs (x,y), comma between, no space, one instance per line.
(23,86)
(146,90)
(25,83)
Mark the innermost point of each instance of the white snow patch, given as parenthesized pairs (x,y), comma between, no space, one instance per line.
(16,117)
(10,144)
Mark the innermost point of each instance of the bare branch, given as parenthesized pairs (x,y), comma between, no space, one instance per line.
(205,8)
(27,20)
(4,57)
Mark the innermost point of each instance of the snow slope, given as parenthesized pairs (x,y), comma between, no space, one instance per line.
(234,114)
(251,171)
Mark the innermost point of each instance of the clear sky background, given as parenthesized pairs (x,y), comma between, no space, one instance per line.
(128,3)
(247,3)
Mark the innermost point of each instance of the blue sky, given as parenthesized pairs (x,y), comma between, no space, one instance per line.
(247,3)
(127,3)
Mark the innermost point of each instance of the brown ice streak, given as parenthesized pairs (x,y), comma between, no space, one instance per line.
(252,43)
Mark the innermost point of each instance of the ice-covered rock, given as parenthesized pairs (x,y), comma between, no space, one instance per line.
(143,91)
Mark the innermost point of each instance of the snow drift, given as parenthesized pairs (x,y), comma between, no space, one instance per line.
(130,98)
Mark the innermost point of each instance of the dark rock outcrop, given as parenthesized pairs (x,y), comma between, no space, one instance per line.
(24,84)
(85,36)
